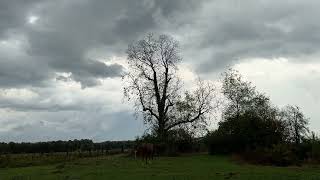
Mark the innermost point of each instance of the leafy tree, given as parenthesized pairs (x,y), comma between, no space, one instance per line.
(249,119)
(296,123)
(153,84)
(238,93)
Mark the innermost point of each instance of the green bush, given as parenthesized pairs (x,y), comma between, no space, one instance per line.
(282,155)
(248,131)
(279,155)
(315,151)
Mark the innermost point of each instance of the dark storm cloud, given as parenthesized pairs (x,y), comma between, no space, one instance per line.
(66,30)
(226,30)
(16,69)
(13,14)
(259,29)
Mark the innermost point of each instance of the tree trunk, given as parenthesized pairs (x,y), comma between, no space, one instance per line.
(162,133)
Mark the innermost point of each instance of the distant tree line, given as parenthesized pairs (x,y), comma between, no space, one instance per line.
(254,128)
(83,145)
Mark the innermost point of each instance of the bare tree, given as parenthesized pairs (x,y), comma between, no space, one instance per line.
(152,83)
(296,123)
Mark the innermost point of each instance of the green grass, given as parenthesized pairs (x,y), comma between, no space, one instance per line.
(200,167)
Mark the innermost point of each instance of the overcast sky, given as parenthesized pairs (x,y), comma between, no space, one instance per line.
(61,61)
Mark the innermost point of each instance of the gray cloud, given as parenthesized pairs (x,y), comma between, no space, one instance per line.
(223,31)
(252,29)
(72,125)
(13,14)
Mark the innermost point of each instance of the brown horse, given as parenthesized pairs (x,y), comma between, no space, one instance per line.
(145,151)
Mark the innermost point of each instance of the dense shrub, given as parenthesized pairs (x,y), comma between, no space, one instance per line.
(257,141)
(261,140)
(309,149)
(248,131)
(279,155)
(315,151)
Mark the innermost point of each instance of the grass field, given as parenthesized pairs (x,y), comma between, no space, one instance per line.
(198,167)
